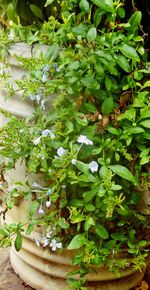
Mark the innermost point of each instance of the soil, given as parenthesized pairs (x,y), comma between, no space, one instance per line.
(10,281)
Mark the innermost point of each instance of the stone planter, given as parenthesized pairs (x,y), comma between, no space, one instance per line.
(44,270)
(37,266)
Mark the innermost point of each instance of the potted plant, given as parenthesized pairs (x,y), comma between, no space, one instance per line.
(84,159)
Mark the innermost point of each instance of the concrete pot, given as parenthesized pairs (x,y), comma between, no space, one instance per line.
(44,270)
(38,267)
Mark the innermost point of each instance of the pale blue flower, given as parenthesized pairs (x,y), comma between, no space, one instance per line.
(47,132)
(73,161)
(46,68)
(49,191)
(45,242)
(44,78)
(84,140)
(58,69)
(93,166)
(54,245)
(36,185)
(41,211)
(37,141)
(61,151)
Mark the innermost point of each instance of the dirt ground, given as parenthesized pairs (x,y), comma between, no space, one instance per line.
(10,281)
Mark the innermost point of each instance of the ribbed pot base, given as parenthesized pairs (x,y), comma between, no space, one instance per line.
(42,281)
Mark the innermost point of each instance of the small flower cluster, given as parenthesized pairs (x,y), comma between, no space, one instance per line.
(48,241)
(93,165)
(38,98)
(46,69)
(45,133)
(39,189)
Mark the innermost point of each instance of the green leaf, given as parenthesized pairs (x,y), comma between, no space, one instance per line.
(82,166)
(77,242)
(91,35)
(129,114)
(33,208)
(107,106)
(77,218)
(123,172)
(108,83)
(144,160)
(146,84)
(48,2)
(98,16)
(63,224)
(89,207)
(90,83)
(89,222)
(89,195)
(135,21)
(11,12)
(119,237)
(30,228)
(121,12)
(84,5)
(99,68)
(36,11)
(113,131)
(123,63)
(101,232)
(136,130)
(18,242)
(145,124)
(107,5)
(129,52)
(116,187)
(52,52)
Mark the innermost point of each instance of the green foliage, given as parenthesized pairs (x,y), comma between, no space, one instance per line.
(92,146)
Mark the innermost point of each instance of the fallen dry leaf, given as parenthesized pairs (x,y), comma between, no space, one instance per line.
(143,286)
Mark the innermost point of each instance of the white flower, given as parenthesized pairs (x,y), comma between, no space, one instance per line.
(54,245)
(61,151)
(37,141)
(37,243)
(48,203)
(11,35)
(48,235)
(100,117)
(41,211)
(43,105)
(38,98)
(84,140)
(73,161)
(10,22)
(93,166)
